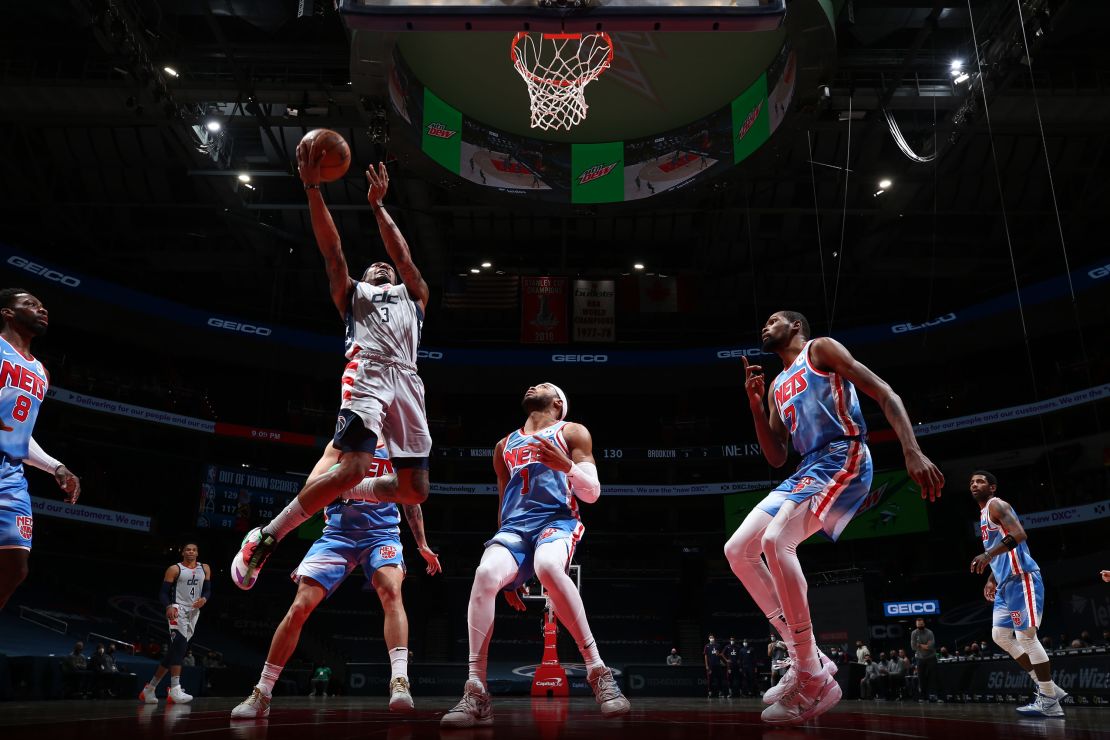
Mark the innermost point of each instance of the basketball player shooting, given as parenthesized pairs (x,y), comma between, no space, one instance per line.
(382,394)
(23,384)
(814,404)
(542,469)
(1017,592)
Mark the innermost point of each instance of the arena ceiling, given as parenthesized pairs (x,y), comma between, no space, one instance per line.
(104,171)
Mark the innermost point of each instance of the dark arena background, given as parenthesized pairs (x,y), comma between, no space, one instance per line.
(926,181)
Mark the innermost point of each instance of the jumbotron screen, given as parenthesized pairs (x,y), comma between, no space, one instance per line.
(239,498)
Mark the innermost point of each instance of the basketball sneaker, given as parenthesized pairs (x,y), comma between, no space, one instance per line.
(812,696)
(400,698)
(1042,706)
(608,694)
(252,555)
(146,696)
(255,706)
(790,678)
(473,710)
(177,695)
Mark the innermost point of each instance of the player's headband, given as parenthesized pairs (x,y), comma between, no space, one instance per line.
(562,397)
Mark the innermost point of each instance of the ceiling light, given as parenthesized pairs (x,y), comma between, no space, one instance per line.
(474,270)
(637,266)
(885,184)
(957,63)
(170,71)
(878,192)
(487,264)
(962,78)
(244,177)
(213,125)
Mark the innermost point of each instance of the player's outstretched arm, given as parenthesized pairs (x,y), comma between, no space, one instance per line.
(67,481)
(830,355)
(414,515)
(395,244)
(1001,512)
(769,430)
(340,283)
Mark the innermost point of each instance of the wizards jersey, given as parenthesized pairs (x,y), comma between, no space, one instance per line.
(816,406)
(361,516)
(535,494)
(1012,563)
(188,585)
(383,320)
(23,386)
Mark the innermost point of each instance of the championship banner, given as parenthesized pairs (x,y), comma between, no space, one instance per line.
(89,514)
(595,318)
(543,310)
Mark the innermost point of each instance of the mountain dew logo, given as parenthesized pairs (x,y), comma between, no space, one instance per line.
(596,172)
(750,120)
(440,131)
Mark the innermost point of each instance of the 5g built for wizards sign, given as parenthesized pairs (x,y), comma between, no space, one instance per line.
(923,608)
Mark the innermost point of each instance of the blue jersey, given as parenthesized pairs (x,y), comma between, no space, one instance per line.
(23,386)
(361,516)
(816,406)
(535,494)
(1012,563)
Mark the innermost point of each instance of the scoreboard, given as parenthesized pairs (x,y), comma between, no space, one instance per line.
(241,498)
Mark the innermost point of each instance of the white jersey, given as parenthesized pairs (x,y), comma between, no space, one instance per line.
(383,321)
(189,583)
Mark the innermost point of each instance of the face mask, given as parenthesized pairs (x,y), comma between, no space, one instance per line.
(745,643)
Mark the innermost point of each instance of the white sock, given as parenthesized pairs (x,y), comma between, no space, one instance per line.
(270,675)
(399,662)
(289,519)
(1056,690)
(175,681)
(588,648)
(1048,688)
(805,648)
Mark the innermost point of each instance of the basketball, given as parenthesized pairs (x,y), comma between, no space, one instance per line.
(337,154)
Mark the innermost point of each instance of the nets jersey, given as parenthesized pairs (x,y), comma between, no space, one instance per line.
(23,385)
(816,406)
(361,516)
(383,320)
(535,494)
(1016,562)
(187,587)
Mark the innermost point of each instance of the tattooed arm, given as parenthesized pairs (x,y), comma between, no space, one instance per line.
(415,517)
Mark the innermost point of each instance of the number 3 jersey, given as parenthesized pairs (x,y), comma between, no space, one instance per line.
(535,495)
(23,385)
(816,406)
(383,320)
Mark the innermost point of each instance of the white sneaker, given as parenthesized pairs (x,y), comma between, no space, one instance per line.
(400,697)
(607,692)
(253,553)
(1042,706)
(146,696)
(811,697)
(177,695)
(255,706)
(790,678)
(473,710)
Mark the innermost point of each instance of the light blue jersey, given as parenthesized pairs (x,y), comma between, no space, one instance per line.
(1019,593)
(816,406)
(23,385)
(535,494)
(1012,563)
(361,516)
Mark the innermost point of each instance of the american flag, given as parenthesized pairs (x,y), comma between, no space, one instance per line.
(482,292)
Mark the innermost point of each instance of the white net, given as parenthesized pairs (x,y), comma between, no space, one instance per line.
(556,67)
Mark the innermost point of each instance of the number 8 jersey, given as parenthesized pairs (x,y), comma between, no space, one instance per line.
(23,385)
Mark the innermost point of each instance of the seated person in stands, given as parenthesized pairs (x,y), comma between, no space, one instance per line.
(674,658)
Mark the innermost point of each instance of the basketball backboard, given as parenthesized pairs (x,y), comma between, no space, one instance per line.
(564,15)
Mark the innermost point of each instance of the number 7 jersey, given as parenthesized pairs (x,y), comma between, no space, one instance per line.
(23,384)
(535,494)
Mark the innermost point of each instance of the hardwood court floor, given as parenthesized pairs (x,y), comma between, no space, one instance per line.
(338,718)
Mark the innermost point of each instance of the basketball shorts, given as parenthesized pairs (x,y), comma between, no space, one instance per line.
(186,622)
(1019,602)
(833,482)
(389,401)
(523,545)
(334,556)
(16,518)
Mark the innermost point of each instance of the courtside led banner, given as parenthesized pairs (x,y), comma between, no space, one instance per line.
(924,608)
(89,514)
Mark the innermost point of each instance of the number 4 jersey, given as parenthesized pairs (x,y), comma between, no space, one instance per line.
(23,386)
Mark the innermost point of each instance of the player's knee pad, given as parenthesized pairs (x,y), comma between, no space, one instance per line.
(1031,646)
(1004,638)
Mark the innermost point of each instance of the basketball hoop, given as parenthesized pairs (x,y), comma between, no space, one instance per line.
(556,67)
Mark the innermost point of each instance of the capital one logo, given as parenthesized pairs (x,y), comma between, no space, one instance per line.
(550,683)
(44,272)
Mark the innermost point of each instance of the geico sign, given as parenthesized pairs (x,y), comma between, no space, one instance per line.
(732,354)
(903,328)
(43,272)
(428,354)
(1099,272)
(910,608)
(580,358)
(261,331)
